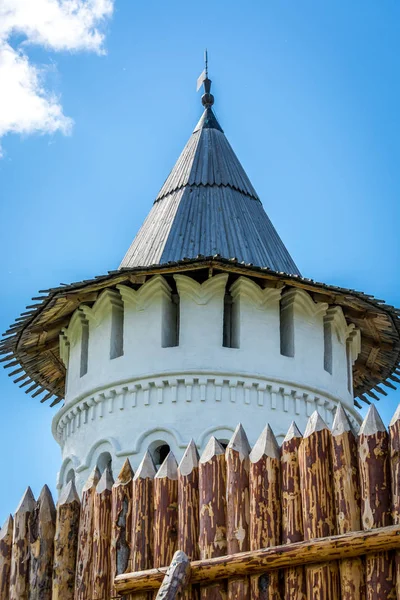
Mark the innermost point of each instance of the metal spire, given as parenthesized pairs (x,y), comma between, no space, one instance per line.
(207,98)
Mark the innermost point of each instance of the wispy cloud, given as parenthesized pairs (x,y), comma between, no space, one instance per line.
(26,105)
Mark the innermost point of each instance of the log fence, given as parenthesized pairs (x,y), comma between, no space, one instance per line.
(317,518)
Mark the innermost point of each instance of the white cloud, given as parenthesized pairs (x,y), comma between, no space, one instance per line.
(26,106)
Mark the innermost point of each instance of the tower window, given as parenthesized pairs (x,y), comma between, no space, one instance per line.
(172,323)
(328,346)
(160,453)
(286,326)
(104,461)
(117,333)
(84,348)
(229,326)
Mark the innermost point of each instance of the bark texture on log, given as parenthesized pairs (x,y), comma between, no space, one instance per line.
(347,495)
(19,578)
(176,577)
(142,520)
(165,512)
(237,506)
(394,433)
(102,537)
(42,527)
(188,510)
(121,523)
(292,514)
(6,538)
(66,544)
(319,519)
(329,549)
(83,580)
(212,505)
(373,442)
(265,509)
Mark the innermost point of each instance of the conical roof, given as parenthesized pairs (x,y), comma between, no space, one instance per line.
(208,206)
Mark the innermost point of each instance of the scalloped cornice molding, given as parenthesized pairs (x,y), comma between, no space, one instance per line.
(354,339)
(201,293)
(335,316)
(107,300)
(302,302)
(153,289)
(259,297)
(77,322)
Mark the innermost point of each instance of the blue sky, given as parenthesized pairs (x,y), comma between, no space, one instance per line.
(308,96)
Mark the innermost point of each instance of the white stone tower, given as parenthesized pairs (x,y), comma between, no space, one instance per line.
(206,323)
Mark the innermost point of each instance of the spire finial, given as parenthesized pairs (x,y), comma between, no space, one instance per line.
(207,98)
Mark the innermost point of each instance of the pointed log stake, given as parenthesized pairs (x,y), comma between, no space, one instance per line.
(66,543)
(212,504)
(142,520)
(188,510)
(121,523)
(19,578)
(292,515)
(101,564)
(394,433)
(373,441)
(42,528)
(176,578)
(165,512)
(318,503)
(83,581)
(265,509)
(237,506)
(347,500)
(6,536)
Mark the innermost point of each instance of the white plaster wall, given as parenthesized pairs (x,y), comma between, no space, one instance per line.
(173,394)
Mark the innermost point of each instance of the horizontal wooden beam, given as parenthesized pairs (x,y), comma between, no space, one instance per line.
(255,562)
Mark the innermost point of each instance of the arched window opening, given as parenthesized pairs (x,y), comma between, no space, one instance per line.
(104,461)
(160,453)
(70,476)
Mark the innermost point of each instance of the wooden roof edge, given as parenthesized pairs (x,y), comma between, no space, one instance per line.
(10,345)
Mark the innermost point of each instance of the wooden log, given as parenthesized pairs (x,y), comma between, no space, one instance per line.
(176,577)
(19,577)
(83,580)
(374,464)
(394,435)
(347,497)
(292,514)
(265,509)
(188,510)
(142,519)
(332,548)
(212,506)
(165,512)
(319,520)
(101,565)
(237,506)
(42,528)
(6,538)
(121,522)
(66,543)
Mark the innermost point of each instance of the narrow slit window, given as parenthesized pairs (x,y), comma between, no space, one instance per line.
(328,359)
(84,348)
(349,368)
(229,326)
(171,323)
(117,332)
(286,328)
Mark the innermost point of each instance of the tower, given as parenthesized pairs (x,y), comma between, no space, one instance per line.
(207,322)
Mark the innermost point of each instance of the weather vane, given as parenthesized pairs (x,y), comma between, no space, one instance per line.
(204,74)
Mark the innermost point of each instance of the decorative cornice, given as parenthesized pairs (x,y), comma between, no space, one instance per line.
(154,288)
(107,300)
(302,301)
(201,293)
(335,316)
(77,322)
(259,297)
